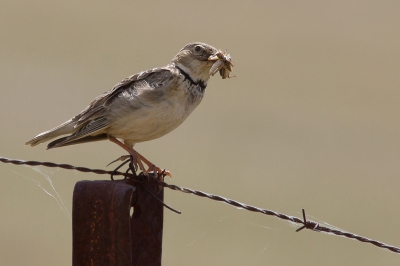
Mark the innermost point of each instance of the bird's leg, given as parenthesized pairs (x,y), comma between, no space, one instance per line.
(152,167)
(138,159)
(134,155)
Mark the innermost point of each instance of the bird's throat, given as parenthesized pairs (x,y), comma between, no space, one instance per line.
(199,83)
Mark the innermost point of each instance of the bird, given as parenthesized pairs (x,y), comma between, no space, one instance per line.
(144,106)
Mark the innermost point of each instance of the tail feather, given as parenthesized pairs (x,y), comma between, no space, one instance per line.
(62,129)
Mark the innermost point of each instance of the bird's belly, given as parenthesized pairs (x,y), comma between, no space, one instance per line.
(150,122)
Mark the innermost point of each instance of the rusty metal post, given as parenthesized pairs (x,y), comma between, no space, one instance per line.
(105,232)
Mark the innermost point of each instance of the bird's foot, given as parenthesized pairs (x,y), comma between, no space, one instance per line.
(158,173)
(156,176)
(135,163)
(126,159)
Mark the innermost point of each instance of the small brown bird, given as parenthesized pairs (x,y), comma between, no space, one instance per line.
(144,106)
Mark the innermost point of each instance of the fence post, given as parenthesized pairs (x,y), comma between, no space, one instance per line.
(106,232)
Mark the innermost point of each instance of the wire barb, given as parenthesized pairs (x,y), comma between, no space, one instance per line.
(309,225)
(306,224)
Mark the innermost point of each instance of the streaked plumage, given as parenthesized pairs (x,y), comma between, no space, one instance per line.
(142,107)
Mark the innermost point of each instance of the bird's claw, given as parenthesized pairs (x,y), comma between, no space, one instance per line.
(156,175)
(160,174)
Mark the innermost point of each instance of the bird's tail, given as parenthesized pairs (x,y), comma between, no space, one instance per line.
(62,129)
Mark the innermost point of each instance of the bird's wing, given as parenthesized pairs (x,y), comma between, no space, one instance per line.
(94,118)
(100,103)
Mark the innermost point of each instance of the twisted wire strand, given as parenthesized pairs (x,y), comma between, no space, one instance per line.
(306,224)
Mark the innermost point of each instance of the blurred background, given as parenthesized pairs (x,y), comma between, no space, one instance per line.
(311,121)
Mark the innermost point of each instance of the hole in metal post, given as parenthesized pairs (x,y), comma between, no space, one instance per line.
(136,211)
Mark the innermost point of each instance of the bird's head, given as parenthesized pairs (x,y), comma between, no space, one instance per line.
(196,59)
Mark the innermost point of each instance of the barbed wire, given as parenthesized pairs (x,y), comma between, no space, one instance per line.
(311,225)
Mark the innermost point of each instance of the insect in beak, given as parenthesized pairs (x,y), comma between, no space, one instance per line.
(223,64)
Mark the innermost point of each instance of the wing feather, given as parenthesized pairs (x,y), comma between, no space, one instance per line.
(93,120)
(90,128)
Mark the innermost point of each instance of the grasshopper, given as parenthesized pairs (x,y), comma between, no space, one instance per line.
(223,64)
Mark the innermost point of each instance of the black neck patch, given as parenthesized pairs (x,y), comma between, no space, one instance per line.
(200,83)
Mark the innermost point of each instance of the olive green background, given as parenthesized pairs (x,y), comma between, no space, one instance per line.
(311,121)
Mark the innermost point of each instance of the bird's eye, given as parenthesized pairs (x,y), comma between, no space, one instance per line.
(197,48)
